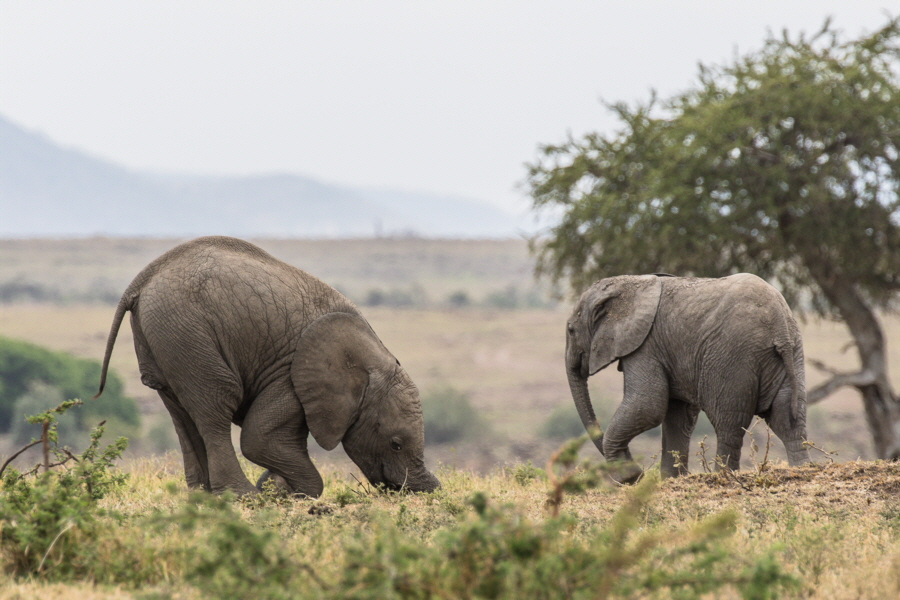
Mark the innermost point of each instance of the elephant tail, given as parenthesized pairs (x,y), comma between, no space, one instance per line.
(123,307)
(786,351)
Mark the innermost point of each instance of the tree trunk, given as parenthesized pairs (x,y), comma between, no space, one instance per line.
(880,402)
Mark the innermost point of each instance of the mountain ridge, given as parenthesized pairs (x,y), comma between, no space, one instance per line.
(48,190)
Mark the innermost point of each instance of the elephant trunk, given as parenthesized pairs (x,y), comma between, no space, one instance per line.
(415,479)
(424,482)
(582,397)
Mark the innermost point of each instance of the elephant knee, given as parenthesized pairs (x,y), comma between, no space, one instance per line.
(253,448)
(614,450)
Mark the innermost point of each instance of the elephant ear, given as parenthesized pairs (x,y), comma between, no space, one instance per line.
(621,311)
(331,369)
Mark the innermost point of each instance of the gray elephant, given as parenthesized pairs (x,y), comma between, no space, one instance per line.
(228,334)
(729,347)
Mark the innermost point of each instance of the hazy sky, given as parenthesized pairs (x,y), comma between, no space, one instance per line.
(450,97)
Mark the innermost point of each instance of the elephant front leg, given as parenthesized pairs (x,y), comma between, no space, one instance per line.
(644,404)
(681,418)
(274,436)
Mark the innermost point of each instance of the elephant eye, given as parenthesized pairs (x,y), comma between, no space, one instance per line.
(395,445)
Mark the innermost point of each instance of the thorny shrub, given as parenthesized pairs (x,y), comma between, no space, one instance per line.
(50,521)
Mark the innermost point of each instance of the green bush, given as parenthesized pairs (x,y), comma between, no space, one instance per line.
(459,299)
(160,437)
(506,299)
(498,553)
(22,363)
(51,528)
(231,559)
(39,397)
(525,473)
(510,298)
(450,417)
(562,423)
(412,297)
(50,523)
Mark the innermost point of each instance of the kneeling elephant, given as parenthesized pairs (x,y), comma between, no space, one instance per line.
(225,333)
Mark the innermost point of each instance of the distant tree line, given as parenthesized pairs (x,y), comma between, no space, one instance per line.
(510,297)
(34,379)
(22,289)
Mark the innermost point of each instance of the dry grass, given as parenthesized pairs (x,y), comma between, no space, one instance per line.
(836,527)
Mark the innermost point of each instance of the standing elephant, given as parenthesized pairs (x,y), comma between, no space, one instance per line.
(225,333)
(729,347)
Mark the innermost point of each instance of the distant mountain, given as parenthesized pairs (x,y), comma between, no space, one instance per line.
(46,190)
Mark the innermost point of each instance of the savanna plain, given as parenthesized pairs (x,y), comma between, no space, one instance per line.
(468,321)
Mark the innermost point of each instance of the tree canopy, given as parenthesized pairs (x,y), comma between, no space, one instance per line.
(784,163)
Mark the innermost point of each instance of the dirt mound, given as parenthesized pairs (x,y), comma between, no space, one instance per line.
(854,484)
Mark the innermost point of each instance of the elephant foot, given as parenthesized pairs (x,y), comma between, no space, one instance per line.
(239,491)
(625,472)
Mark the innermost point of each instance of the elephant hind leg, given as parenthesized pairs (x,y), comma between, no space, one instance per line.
(730,427)
(193,450)
(679,423)
(791,432)
(205,389)
(211,400)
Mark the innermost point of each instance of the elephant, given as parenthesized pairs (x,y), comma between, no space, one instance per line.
(226,333)
(729,347)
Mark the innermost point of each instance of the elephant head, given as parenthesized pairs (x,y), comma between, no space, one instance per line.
(610,321)
(355,392)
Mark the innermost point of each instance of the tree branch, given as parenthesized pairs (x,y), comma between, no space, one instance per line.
(14,456)
(823,367)
(857,380)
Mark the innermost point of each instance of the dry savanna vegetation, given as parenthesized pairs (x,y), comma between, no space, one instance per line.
(825,531)
(467,321)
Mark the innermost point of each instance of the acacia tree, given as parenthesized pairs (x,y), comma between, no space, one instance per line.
(784,163)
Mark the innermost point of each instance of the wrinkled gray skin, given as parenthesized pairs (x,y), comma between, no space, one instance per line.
(228,334)
(729,347)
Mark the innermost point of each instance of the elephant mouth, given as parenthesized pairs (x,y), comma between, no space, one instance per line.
(390,484)
(380,479)
(413,481)
(579,365)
